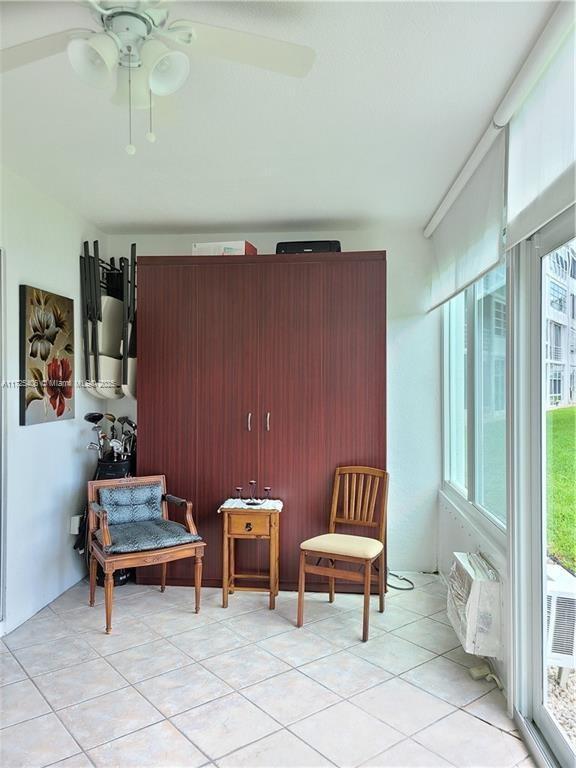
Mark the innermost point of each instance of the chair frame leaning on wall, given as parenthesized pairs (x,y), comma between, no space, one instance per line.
(98,519)
(360,487)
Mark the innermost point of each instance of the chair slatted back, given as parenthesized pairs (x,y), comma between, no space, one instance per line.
(359,498)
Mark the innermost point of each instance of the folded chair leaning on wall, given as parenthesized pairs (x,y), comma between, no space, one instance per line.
(359,499)
(128,527)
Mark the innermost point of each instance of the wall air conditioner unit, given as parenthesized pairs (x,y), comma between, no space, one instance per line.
(475,604)
(560,619)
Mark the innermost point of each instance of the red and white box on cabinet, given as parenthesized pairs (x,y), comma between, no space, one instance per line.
(229,248)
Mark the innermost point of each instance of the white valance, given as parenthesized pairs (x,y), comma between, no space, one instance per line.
(468,241)
(541,155)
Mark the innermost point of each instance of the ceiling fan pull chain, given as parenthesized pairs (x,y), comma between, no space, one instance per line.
(130,149)
(151,136)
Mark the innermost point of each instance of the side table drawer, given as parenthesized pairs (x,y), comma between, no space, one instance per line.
(248,524)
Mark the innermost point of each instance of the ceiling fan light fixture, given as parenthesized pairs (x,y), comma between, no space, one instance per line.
(95,59)
(168,69)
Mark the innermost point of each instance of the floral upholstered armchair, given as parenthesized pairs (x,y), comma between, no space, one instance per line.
(128,527)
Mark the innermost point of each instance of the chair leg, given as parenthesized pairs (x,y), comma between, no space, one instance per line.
(198,579)
(108,598)
(331,583)
(301,588)
(367,584)
(163,578)
(381,581)
(93,570)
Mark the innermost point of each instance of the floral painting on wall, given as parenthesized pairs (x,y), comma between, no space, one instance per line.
(46,356)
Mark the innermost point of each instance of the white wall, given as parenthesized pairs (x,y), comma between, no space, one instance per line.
(47,464)
(413,373)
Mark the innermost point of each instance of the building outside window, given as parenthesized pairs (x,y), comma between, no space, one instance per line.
(555,383)
(560,325)
(499,318)
(554,340)
(557,296)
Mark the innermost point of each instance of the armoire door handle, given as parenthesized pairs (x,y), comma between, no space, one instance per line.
(249,422)
(268,421)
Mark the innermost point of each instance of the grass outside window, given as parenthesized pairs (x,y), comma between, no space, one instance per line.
(561,486)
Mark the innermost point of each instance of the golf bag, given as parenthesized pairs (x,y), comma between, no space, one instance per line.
(105,470)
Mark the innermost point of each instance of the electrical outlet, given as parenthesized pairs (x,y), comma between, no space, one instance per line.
(75,524)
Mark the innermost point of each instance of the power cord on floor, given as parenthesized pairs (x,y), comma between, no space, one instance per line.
(400,578)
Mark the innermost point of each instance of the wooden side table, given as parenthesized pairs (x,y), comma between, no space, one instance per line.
(242,521)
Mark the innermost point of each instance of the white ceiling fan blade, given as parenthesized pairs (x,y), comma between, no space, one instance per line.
(264,52)
(40,48)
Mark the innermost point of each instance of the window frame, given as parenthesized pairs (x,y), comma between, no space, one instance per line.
(466,499)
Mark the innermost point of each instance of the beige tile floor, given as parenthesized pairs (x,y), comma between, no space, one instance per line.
(244,687)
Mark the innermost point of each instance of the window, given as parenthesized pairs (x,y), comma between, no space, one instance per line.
(457,392)
(557,295)
(490,394)
(555,383)
(553,341)
(573,305)
(476,430)
(500,384)
(499,318)
(559,265)
(573,268)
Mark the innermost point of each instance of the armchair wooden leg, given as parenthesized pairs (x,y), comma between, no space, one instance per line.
(367,584)
(331,584)
(93,569)
(108,598)
(301,588)
(163,578)
(198,580)
(381,581)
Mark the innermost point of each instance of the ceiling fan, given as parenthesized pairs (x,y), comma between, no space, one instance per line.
(139,53)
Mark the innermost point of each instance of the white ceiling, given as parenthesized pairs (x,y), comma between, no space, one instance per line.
(399,95)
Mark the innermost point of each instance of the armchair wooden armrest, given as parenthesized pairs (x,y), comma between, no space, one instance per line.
(98,512)
(183,503)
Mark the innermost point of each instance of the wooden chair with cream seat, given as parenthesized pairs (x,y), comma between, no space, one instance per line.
(359,500)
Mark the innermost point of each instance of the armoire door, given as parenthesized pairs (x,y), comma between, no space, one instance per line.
(354,363)
(167,355)
(291,418)
(226,407)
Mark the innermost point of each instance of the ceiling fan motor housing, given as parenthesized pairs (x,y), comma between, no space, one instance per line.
(130,30)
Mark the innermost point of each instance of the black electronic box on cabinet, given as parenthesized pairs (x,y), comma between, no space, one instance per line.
(309,246)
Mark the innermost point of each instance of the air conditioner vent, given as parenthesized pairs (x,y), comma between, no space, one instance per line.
(561,626)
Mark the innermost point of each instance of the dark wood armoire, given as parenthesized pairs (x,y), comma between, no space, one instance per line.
(269,368)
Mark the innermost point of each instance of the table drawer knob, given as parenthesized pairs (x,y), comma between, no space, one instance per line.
(248,527)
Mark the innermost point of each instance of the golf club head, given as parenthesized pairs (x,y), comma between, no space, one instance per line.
(110,417)
(94,418)
(125,420)
(93,447)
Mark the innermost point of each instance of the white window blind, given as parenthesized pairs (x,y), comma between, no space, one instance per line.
(541,179)
(468,241)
